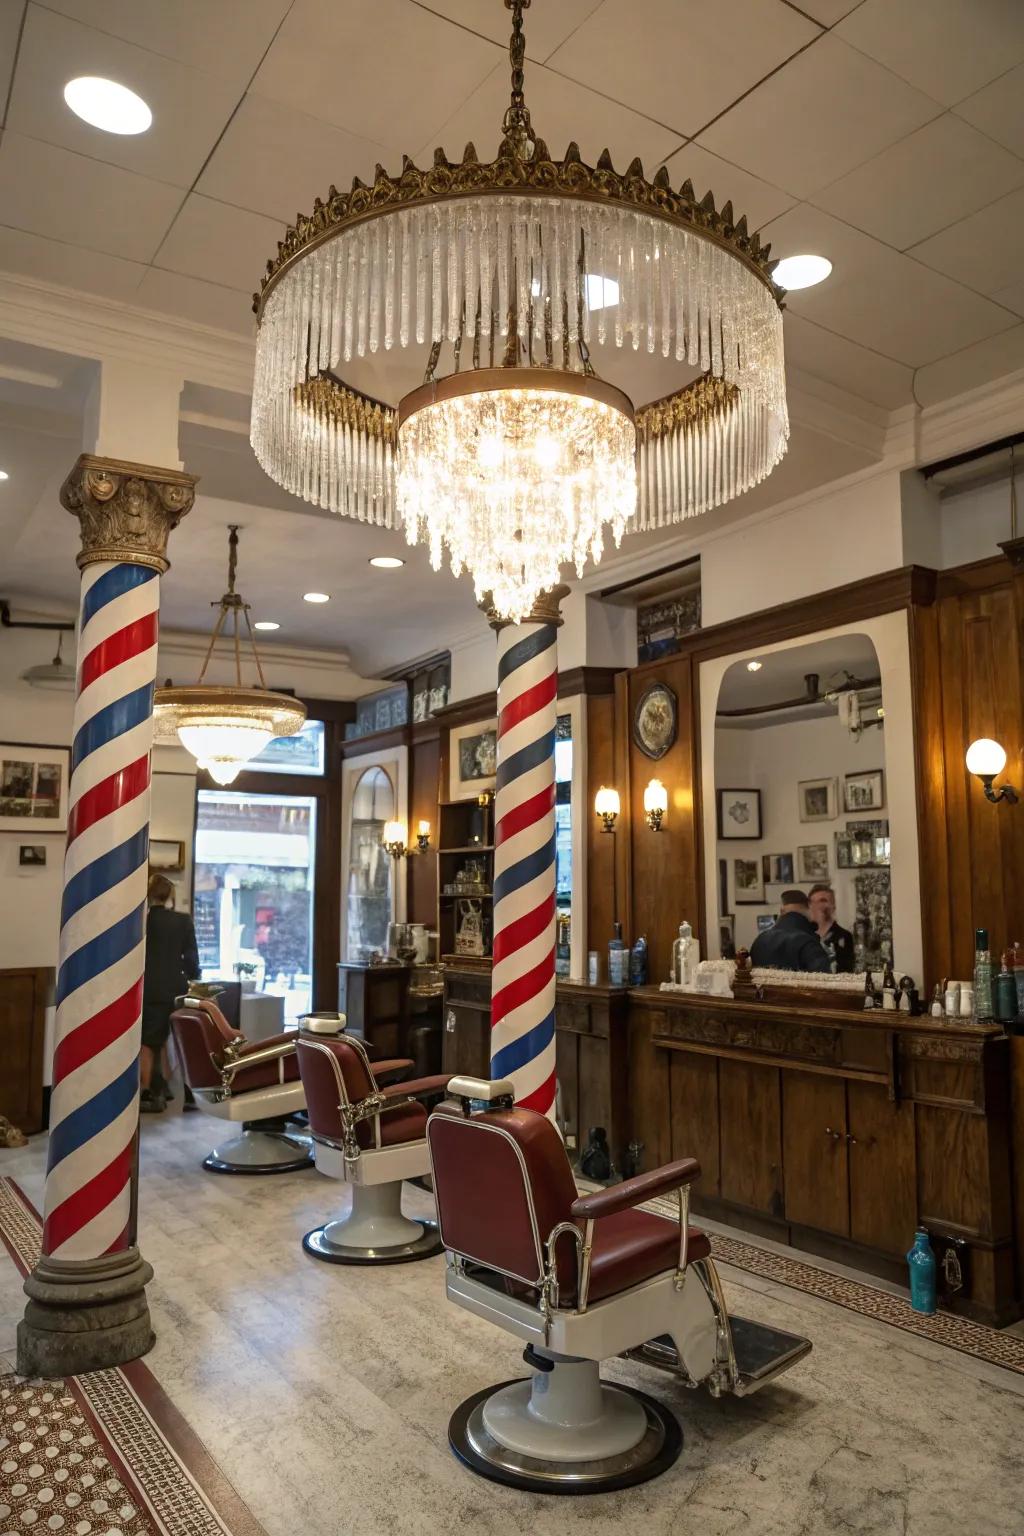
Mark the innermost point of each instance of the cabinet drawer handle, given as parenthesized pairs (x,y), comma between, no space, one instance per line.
(836,1135)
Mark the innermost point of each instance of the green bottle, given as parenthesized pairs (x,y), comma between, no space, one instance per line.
(983,1012)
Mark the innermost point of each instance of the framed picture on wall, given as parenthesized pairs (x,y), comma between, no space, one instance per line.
(819,799)
(812,861)
(777,868)
(166,854)
(739,814)
(748,882)
(473,759)
(33,788)
(864,791)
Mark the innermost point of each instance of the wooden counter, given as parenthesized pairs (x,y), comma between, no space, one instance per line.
(836,1131)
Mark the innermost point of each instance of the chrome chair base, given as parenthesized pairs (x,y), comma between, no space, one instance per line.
(260,1151)
(424,1247)
(477,1448)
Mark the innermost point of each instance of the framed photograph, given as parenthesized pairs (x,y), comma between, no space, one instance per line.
(739,814)
(165,854)
(864,791)
(812,862)
(777,868)
(748,882)
(654,722)
(34,788)
(819,799)
(32,855)
(765,920)
(473,759)
(863,845)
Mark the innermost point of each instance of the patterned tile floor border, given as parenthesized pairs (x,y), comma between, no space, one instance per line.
(105,1454)
(971,1338)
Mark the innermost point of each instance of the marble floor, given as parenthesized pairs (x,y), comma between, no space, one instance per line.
(324,1392)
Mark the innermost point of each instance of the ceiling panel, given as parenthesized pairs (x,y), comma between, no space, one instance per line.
(560,111)
(879,297)
(50,191)
(974,366)
(188,298)
(221,244)
(384,69)
(996,110)
(71,266)
(546,25)
(828,12)
(681,61)
(11,16)
(276,161)
(225,37)
(933,177)
(189,107)
(948,48)
(1011,297)
(755,199)
(983,251)
(843,363)
(827,111)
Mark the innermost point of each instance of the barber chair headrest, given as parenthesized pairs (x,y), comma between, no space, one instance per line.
(323,1023)
(476,1093)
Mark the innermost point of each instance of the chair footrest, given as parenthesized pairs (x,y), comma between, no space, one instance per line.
(761,1352)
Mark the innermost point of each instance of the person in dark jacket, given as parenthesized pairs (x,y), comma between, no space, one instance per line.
(792,944)
(837,940)
(172,961)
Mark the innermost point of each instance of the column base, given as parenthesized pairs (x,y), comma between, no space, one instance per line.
(85,1315)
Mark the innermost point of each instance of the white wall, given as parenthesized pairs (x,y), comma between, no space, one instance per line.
(890,636)
(974,522)
(774,759)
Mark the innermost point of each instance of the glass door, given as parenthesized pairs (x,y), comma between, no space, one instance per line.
(255,864)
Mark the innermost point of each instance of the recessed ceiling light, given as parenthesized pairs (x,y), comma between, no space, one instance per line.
(266,624)
(107,105)
(4,475)
(316,597)
(795,272)
(754,666)
(386,562)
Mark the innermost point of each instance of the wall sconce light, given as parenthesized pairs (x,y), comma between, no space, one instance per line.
(986,759)
(393,839)
(606,804)
(655,804)
(422,836)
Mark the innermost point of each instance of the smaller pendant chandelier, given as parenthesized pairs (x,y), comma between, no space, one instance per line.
(224,727)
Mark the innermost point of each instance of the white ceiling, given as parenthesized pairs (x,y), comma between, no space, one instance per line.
(885,134)
(783,672)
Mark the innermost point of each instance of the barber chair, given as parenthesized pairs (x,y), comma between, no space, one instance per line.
(580,1279)
(371,1135)
(253,1084)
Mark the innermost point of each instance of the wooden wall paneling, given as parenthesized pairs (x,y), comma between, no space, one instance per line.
(950,623)
(815,1152)
(695,1128)
(424,793)
(751,1140)
(932,811)
(23,997)
(649,1111)
(601,851)
(883,1169)
(567,1063)
(623,850)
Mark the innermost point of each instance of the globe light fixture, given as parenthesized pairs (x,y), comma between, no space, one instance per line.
(655,804)
(986,759)
(393,838)
(606,805)
(520,290)
(224,727)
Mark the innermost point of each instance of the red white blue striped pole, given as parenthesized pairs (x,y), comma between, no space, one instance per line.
(523,970)
(94,1108)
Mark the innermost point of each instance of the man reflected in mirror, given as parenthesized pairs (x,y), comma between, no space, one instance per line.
(836,940)
(792,943)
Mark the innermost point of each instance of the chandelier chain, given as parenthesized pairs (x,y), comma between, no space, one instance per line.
(516,125)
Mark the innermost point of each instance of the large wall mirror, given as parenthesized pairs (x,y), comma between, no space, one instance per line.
(373,793)
(808,774)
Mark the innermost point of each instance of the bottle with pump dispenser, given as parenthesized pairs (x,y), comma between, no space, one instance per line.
(683,959)
(618,959)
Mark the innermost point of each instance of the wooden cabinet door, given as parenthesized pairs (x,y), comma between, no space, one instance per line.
(883,1175)
(751,1136)
(814,1151)
(466,1041)
(693,1090)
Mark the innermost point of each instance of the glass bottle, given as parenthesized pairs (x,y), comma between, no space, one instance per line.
(682,957)
(870,996)
(922,1267)
(982,978)
(938,1006)
(638,963)
(1006,990)
(1018,976)
(618,958)
(890,991)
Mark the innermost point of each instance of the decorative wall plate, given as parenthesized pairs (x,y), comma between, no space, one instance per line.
(654,723)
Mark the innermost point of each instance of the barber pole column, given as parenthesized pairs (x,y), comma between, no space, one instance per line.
(523,974)
(87,1307)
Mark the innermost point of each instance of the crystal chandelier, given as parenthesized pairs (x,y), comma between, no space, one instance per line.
(224,727)
(509,286)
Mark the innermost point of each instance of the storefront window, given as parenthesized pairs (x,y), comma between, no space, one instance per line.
(254,880)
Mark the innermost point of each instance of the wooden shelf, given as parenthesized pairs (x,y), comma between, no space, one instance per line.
(470,848)
(466,896)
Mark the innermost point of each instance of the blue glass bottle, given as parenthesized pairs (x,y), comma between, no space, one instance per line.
(922,1267)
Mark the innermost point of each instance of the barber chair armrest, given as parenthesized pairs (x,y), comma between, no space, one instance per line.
(251,1055)
(632,1192)
(418,1087)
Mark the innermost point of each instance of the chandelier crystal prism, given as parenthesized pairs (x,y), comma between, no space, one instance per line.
(225,726)
(510,286)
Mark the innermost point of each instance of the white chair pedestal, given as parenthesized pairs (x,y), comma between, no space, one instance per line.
(374,1231)
(258,1150)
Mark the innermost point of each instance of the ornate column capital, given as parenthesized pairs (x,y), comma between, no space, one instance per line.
(126,511)
(546,609)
